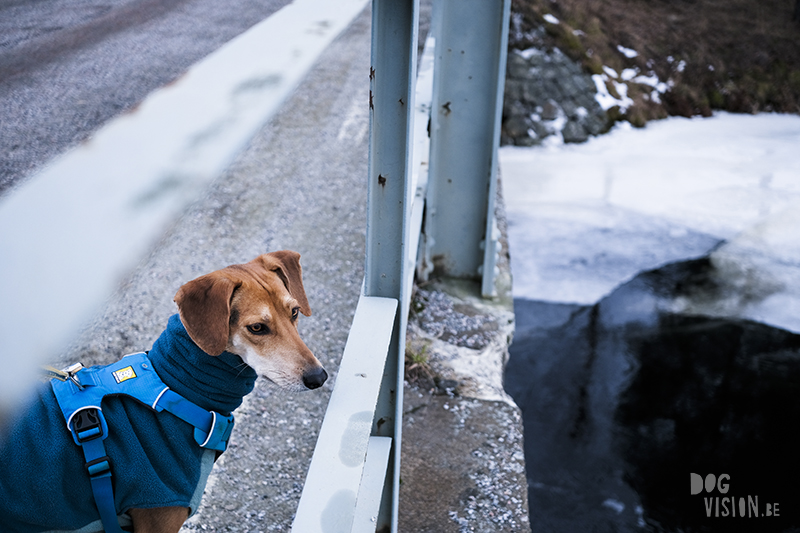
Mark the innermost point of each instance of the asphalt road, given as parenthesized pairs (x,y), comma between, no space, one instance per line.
(68,66)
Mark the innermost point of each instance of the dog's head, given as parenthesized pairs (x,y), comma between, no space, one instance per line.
(252,310)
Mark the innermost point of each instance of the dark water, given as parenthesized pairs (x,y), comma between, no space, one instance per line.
(623,401)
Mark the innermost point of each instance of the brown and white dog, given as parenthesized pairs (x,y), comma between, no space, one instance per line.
(250,311)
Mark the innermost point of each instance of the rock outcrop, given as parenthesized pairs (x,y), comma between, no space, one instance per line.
(547,94)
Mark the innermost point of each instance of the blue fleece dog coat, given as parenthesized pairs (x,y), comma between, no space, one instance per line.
(155,458)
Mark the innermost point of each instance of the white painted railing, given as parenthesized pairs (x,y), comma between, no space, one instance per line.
(353,480)
(346,453)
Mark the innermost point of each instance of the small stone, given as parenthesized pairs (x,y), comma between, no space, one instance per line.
(518,126)
(527,141)
(570,109)
(595,123)
(517,66)
(573,132)
(550,110)
(514,108)
(446,386)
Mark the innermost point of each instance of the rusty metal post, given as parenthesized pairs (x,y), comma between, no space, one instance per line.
(460,230)
(392,82)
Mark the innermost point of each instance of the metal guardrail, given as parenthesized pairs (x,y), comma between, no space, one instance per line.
(346,452)
(354,476)
(460,229)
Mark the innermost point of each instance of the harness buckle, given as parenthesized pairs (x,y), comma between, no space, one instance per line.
(100,467)
(69,373)
(72,372)
(87,425)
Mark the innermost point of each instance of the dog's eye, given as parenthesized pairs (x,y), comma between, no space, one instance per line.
(295,313)
(258,329)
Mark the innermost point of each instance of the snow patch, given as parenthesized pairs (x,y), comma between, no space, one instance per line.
(550,18)
(629,73)
(651,80)
(627,52)
(610,71)
(529,53)
(605,99)
(655,96)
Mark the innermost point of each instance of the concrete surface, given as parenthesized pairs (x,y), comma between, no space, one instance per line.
(463,465)
(462,468)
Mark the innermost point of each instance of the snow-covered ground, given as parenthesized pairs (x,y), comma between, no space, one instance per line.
(585,218)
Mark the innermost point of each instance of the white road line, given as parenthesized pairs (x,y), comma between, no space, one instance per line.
(356,122)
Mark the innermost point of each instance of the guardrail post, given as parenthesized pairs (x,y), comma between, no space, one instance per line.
(392,81)
(469,77)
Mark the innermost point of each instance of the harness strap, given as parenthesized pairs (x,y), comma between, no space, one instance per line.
(211,429)
(80,398)
(99,468)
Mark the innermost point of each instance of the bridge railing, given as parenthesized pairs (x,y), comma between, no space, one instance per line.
(434,133)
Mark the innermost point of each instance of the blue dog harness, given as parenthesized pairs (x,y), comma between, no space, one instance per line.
(157,458)
(80,399)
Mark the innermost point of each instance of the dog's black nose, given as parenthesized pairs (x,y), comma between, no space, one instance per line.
(313,379)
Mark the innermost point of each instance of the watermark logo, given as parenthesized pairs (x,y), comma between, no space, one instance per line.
(719,503)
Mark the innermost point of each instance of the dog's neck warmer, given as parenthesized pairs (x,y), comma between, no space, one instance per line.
(216,383)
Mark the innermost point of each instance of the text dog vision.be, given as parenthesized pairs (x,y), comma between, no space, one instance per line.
(725,506)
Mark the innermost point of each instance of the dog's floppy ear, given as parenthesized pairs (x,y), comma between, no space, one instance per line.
(205,309)
(286,264)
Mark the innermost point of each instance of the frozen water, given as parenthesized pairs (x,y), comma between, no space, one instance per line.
(585,218)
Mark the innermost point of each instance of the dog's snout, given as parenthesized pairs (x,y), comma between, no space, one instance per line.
(314,378)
